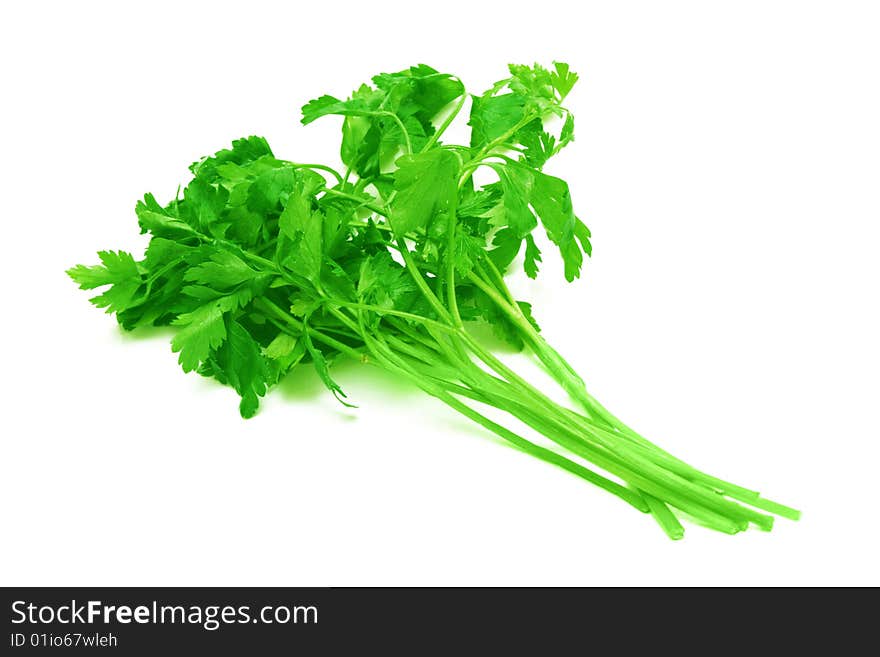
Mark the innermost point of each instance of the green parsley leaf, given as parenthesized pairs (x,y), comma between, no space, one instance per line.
(532,257)
(426,186)
(120,271)
(202,331)
(240,358)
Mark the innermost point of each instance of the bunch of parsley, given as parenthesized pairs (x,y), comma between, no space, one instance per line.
(264,264)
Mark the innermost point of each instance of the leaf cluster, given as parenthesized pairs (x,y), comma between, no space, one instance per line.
(252,233)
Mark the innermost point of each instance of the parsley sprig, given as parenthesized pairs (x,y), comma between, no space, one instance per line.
(263,265)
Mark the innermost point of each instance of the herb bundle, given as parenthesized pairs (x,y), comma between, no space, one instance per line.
(262,265)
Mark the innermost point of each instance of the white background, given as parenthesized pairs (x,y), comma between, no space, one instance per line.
(727,160)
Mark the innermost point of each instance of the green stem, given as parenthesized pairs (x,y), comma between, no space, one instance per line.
(495,143)
(560,426)
(498,278)
(379,310)
(450,262)
(365,202)
(649,474)
(271,308)
(416,275)
(566,376)
(449,119)
(539,452)
(379,339)
(692,499)
(320,167)
(402,127)
(521,443)
(561,371)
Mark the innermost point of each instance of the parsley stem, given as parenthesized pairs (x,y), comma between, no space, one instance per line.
(320,167)
(561,371)
(416,274)
(472,166)
(450,260)
(476,160)
(411,265)
(361,224)
(688,497)
(427,358)
(498,278)
(449,119)
(508,435)
(641,477)
(368,203)
(486,151)
(511,310)
(416,336)
(154,277)
(394,313)
(529,416)
(267,305)
(663,483)
(400,125)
